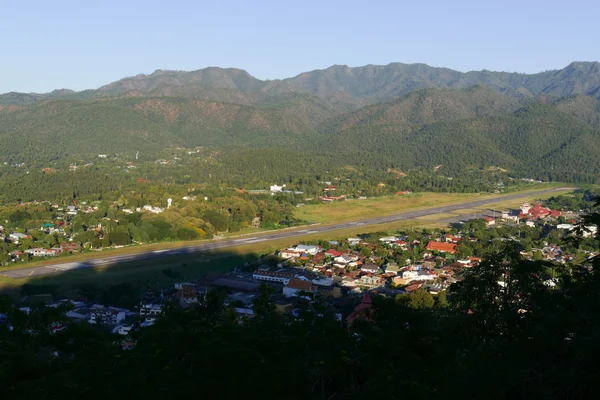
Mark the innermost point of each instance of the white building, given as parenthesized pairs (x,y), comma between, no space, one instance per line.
(353,241)
(150,310)
(388,239)
(106,316)
(322,281)
(273,276)
(410,275)
(310,249)
(149,208)
(71,210)
(39,252)
(15,236)
(276,188)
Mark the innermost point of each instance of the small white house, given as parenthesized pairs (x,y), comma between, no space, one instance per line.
(322,281)
(71,210)
(310,249)
(276,188)
(388,239)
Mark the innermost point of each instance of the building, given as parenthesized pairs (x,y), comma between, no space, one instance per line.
(150,310)
(361,312)
(106,316)
(16,236)
(39,252)
(441,247)
(273,276)
(188,293)
(490,221)
(296,287)
(322,281)
(370,268)
(276,189)
(71,210)
(310,249)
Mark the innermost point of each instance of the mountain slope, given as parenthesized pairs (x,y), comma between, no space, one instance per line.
(59,128)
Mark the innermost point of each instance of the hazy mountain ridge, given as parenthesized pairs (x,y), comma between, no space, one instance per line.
(340,84)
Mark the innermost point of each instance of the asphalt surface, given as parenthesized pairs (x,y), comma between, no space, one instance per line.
(282,234)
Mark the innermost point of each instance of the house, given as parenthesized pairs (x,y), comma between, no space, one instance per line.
(310,249)
(392,268)
(296,286)
(188,294)
(149,208)
(290,253)
(388,239)
(353,241)
(39,252)
(409,276)
(333,253)
(16,236)
(441,247)
(370,280)
(508,216)
(106,316)
(537,212)
(370,268)
(451,239)
(276,189)
(361,312)
(345,259)
(150,310)
(71,210)
(402,244)
(322,281)
(273,276)
(490,221)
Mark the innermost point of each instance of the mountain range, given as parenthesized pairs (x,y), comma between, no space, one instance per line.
(544,125)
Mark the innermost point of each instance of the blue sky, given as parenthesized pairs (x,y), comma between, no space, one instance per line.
(84,44)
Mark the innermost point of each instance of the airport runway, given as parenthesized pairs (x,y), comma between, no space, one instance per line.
(281,234)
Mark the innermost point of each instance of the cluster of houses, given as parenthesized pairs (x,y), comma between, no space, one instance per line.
(531,214)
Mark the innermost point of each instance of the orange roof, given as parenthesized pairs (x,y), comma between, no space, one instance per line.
(360,312)
(440,246)
(299,284)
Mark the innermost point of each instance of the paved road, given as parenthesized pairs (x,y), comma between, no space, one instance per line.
(224,243)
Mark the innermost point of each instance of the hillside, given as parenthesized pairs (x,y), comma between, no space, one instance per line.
(398,116)
(60,128)
(459,131)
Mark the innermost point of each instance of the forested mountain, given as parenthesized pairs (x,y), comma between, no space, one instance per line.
(542,126)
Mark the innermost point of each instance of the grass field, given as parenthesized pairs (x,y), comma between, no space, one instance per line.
(379,206)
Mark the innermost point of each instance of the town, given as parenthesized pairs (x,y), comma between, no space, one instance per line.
(342,274)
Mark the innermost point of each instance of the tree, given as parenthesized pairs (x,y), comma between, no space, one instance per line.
(442,299)
(419,299)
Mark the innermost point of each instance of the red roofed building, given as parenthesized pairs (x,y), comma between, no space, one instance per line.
(441,247)
(334,253)
(362,311)
(537,212)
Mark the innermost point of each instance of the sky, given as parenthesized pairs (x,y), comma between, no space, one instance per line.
(47,45)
